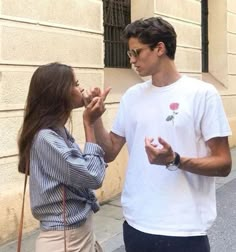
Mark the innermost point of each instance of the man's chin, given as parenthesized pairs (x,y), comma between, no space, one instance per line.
(142,74)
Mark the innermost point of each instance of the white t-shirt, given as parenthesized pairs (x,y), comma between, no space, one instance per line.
(185,114)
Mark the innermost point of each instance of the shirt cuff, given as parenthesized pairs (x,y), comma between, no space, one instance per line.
(93,149)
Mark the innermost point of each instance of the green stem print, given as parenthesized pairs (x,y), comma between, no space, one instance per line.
(174,107)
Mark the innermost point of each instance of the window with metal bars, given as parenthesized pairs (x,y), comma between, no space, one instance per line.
(116,15)
(205,36)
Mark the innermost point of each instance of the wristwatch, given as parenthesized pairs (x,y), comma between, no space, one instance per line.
(174,165)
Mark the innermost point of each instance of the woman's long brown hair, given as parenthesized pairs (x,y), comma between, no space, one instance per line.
(48,104)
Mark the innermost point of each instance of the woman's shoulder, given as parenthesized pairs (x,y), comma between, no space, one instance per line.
(45,135)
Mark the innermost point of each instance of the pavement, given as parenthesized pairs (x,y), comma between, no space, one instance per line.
(109,220)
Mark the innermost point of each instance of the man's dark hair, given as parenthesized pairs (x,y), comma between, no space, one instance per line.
(151,31)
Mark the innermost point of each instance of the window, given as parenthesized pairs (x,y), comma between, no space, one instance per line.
(205,36)
(116,15)
(214,40)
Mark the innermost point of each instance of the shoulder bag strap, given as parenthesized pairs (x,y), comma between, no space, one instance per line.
(22,208)
(64,215)
(20,232)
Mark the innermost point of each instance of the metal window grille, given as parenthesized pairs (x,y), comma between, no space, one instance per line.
(205,41)
(116,15)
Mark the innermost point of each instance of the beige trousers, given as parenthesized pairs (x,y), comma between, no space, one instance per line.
(81,239)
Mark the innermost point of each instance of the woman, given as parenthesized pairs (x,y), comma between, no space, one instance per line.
(62,177)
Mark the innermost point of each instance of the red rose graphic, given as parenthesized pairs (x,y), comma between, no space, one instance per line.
(174,106)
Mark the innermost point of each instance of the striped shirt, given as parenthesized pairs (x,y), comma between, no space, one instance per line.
(56,160)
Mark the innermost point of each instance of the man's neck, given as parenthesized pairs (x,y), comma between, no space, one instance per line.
(166,76)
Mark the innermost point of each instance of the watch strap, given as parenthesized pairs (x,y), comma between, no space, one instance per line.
(177,159)
(175,162)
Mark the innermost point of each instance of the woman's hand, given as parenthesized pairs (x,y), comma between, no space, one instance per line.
(93,110)
(88,95)
(96,107)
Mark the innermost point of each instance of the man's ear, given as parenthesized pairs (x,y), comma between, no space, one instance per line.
(160,48)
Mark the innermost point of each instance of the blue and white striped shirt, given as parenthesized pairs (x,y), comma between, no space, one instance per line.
(56,160)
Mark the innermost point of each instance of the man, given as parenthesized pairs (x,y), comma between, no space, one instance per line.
(177,137)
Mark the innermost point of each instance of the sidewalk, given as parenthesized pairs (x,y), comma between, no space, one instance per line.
(108,222)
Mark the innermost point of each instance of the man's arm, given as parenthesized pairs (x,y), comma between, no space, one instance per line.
(110,142)
(217,164)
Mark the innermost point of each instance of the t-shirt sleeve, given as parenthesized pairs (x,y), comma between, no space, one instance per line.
(119,124)
(214,122)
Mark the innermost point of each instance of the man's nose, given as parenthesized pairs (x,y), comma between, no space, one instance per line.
(132,60)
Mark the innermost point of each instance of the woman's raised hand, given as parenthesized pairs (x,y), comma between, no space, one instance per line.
(96,106)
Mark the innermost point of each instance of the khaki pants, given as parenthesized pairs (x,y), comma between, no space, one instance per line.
(81,239)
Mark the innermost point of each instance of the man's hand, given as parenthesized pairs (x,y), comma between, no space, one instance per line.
(159,155)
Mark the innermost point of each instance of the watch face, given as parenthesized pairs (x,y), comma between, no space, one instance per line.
(172,167)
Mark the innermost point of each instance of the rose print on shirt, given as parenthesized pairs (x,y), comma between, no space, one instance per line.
(174,107)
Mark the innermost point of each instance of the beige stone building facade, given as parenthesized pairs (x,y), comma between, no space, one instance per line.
(33,33)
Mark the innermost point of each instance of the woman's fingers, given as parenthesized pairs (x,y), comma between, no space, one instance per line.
(89,95)
(92,103)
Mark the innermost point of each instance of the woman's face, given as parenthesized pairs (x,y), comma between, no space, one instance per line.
(76,95)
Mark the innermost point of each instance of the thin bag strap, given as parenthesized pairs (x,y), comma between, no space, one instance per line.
(64,215)
(20,232)
(22,208)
